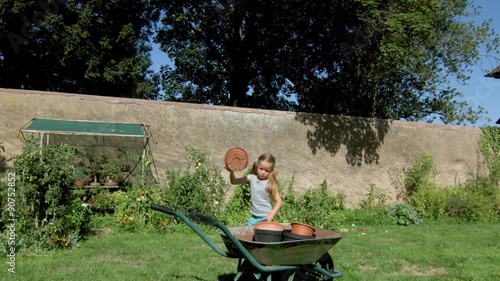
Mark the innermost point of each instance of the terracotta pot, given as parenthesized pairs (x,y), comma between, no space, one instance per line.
(268,232)
(269,225)
(81,183)
(302,229)
(236,159)
(289,236)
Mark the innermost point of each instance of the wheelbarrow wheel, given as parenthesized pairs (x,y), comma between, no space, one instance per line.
(303,273)
(306,272)
(326,262)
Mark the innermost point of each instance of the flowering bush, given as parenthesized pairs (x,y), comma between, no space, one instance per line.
(46,207)
(198,187)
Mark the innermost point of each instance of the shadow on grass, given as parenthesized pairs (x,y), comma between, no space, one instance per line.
(362,137)
(189,277)
(230,277)
(244,277)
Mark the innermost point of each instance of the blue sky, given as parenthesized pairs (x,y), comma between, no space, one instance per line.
(479,91)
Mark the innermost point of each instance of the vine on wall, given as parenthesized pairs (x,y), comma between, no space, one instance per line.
(490,147)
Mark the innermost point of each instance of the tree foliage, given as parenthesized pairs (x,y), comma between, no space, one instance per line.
(92,47)
(389,59)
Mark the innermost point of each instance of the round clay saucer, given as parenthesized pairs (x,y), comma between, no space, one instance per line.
(236,159)
(269,225)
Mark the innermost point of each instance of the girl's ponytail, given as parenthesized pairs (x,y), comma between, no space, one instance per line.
(272,186)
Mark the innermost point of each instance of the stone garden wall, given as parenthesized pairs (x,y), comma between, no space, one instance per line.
(349,153)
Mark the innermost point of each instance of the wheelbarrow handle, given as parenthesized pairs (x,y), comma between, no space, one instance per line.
(163,209)
(203,218)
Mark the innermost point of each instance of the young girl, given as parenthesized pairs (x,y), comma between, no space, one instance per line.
(263,189)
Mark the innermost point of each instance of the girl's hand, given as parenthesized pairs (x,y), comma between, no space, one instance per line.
(269,217)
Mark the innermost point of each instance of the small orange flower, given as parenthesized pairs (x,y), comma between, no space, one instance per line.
(214,173)
(142,193)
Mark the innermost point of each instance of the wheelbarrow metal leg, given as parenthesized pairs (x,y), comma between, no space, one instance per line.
(240,270)
(246,267)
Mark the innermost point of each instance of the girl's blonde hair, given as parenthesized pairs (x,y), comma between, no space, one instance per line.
(272,185)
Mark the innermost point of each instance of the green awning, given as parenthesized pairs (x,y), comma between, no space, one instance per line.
(76,127)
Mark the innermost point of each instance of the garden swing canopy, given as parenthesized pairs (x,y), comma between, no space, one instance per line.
(76,127)
(95,134)
(112,139)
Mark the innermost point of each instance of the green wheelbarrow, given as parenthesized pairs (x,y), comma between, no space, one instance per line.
(306,259)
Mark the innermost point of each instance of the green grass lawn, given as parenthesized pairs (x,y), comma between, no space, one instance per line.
(427,252)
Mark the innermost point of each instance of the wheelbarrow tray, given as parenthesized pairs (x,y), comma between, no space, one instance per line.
(297,252)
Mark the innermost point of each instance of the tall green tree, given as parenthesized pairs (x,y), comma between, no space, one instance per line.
(389,59)
(91,47)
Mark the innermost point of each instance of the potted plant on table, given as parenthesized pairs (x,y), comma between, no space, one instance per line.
(81,175)
(112,174)
(94,166)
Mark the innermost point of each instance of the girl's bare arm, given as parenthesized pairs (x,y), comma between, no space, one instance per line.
(234,180)
(277,205)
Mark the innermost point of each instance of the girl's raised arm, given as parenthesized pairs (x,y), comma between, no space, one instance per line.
(234,180)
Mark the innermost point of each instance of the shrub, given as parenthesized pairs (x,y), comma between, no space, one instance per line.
(47,210)
(373,199)
(490,148)
(317,204)
(288,211)
(403,214)
(236,211)
(198,187)
(100,200)
(470,206)
(133,206)
(421,174)
(430,201)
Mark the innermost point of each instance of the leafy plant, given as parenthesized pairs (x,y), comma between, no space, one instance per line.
(236,211)
(403,214)
(94,163)
(421,173)
(490,146)
(46,207)
(111,172)
(198,187)
(101,201)
(134,205)
(81,173)
(373,199)
(429,201)
(317,204)
(288,211)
